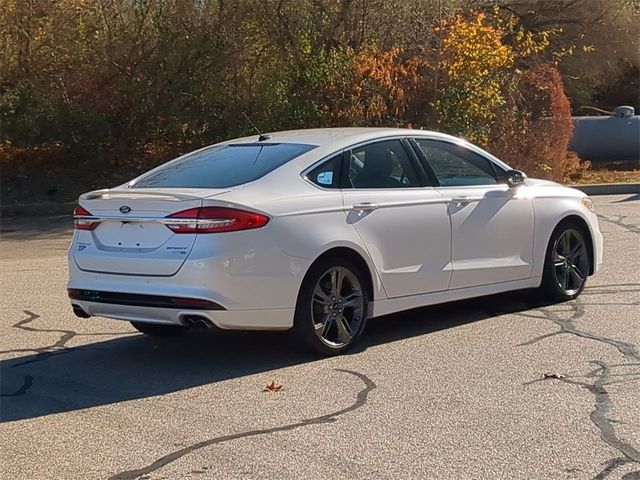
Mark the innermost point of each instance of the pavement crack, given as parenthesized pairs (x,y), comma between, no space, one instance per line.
(619,222)
(360,401)
(603,401)
(23,325)
(614,289)
(609,467)
(60,346)
(628,350)
(26,385)
(602,407)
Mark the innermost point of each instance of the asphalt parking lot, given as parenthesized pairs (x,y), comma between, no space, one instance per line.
(498,387)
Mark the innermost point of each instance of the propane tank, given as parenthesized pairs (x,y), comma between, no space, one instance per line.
(615,137)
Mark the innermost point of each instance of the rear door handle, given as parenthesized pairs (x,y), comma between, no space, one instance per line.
(360,208)
(460,201)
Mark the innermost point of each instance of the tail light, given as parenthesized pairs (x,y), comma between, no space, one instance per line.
(215,220)
(82,220)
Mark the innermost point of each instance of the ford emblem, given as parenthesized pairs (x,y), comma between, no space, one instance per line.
(125,209)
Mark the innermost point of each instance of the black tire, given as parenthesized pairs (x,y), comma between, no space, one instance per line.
(157,330)
(561,268)
(332,325)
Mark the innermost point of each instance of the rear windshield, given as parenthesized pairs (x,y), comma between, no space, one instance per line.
(223,166)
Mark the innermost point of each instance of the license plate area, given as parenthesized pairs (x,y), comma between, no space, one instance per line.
(126,235)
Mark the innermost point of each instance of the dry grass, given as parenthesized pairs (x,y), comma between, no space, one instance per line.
(609,176)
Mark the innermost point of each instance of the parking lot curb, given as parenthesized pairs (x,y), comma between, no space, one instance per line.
(37,209)
(609,188)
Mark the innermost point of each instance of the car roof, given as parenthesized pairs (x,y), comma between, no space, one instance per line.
(330,140)
(339,135)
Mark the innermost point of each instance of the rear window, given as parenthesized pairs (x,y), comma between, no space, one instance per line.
(223,166)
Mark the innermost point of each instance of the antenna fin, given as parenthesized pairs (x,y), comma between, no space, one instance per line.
(262,136)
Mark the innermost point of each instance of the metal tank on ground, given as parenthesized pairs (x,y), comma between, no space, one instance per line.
(602,138)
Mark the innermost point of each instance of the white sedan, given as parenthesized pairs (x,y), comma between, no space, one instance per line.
(319,230)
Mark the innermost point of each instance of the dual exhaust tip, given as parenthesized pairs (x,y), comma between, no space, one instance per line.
(197,322)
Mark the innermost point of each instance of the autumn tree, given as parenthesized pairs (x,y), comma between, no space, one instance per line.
(147,75)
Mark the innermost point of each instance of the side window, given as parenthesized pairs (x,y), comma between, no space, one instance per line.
(327,175)
(382,165)
(455,165)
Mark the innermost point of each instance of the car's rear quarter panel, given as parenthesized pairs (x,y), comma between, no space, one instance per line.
(307,222)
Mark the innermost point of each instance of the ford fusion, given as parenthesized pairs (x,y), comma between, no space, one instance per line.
(319,230)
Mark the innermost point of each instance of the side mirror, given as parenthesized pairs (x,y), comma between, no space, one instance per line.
(515,178)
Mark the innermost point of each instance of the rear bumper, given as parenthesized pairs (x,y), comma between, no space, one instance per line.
(271,319)
(142,300)
(231,272)
(232,292)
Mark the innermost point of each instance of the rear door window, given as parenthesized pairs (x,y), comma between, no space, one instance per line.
(382,165)
(222,166)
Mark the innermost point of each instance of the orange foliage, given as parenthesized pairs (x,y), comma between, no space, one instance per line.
(538,140)
(379,85)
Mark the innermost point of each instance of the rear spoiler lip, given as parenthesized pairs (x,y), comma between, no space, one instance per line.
(148,194)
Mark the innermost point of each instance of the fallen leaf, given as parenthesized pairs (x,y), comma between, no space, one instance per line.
(272,387)
(553,375)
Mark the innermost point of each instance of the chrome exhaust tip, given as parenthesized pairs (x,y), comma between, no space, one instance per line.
(204,323)
(79,312)
(197,322)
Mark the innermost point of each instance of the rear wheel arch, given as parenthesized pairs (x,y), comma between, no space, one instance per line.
(355,257)
(582,224)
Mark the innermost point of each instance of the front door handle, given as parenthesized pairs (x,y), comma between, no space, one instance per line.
(360,208)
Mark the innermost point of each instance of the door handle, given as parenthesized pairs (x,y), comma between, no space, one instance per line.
(458,201)
(360,208)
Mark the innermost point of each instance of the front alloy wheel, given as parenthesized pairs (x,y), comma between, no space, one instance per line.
(568,263)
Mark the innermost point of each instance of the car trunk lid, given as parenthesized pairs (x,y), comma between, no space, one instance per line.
(131,236)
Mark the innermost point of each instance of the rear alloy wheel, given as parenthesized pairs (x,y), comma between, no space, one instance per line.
(332,307)
(157,330)
(567,264)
